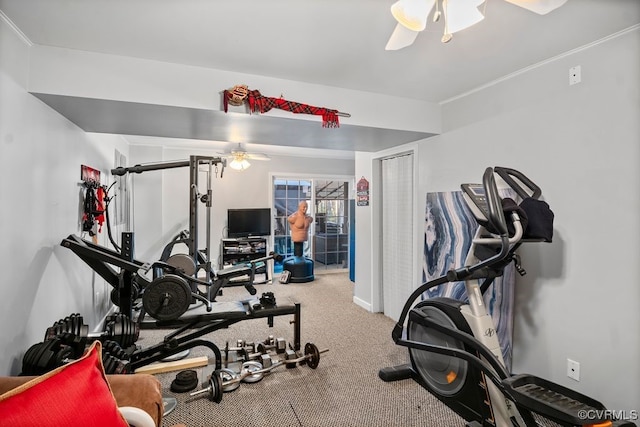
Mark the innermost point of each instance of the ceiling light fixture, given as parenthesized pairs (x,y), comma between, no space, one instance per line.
(239,162)
(459,15)
(412,16)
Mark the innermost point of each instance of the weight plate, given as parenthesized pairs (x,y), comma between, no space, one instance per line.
(50,333)
(185,381)
(47,358)
(122,330)
(36,361)
(63,354)
(30,359)
(314,360)
(168,404)
(215,394)
(76,324)
(183,262)
(227,375)
(167,298)
(115,294)
(249,367)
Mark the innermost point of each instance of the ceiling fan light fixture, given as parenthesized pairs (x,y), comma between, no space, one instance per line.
(239,163)
(461,14)
(541,7)
(401,37)
(458,15)
(412,14)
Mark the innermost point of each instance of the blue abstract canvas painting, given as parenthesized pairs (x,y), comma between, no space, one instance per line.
(448,231)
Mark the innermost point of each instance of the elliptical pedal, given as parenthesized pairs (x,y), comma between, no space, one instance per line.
(553,400)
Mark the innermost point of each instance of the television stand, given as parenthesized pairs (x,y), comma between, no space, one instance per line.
(244,249)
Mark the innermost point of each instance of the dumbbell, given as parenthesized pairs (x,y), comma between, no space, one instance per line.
(115,349)
(279,345)
(251,372)
(114,365)
(270,343)
(311,356)
(251,351)
(45,356)
(117,328)
(229,350)
(241,345)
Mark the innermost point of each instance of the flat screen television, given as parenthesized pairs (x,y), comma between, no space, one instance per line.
(248,222)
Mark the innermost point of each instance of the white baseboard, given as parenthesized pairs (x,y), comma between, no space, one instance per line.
(357,301)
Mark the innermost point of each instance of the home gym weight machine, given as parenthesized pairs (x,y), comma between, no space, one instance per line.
(197,259)
(128,285)
(175,287)
(454,350)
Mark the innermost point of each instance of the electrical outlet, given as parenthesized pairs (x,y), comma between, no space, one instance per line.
(573,369)
(574,75)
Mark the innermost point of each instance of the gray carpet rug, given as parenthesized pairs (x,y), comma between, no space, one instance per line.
(344,390)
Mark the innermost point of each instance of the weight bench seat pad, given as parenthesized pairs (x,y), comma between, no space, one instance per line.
(234,270)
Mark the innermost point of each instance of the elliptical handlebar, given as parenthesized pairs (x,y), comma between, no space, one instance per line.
(508,176)
(494,202)
(497,220)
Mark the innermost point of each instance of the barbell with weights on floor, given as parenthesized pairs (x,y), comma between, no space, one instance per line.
(225,380)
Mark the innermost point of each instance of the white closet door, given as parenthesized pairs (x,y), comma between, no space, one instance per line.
(397,232)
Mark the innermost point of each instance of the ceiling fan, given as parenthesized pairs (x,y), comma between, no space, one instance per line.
(239,158)
(412,16)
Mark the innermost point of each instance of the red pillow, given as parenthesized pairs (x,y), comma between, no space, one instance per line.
(76,394)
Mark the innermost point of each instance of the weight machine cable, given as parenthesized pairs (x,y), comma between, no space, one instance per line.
(107,202)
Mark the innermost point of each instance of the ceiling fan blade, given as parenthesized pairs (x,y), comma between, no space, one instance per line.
(257,156)
(541,7)
(401,37)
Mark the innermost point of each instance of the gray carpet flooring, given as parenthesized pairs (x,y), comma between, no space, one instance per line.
(343,391)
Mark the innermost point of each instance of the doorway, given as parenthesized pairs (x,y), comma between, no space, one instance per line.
(397,232)
(328,198)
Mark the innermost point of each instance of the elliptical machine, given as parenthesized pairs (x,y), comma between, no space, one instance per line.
(453,346)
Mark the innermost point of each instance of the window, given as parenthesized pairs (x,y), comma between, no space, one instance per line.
(331,236)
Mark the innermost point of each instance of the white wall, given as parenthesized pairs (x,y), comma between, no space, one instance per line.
(40,157)
(580,144)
